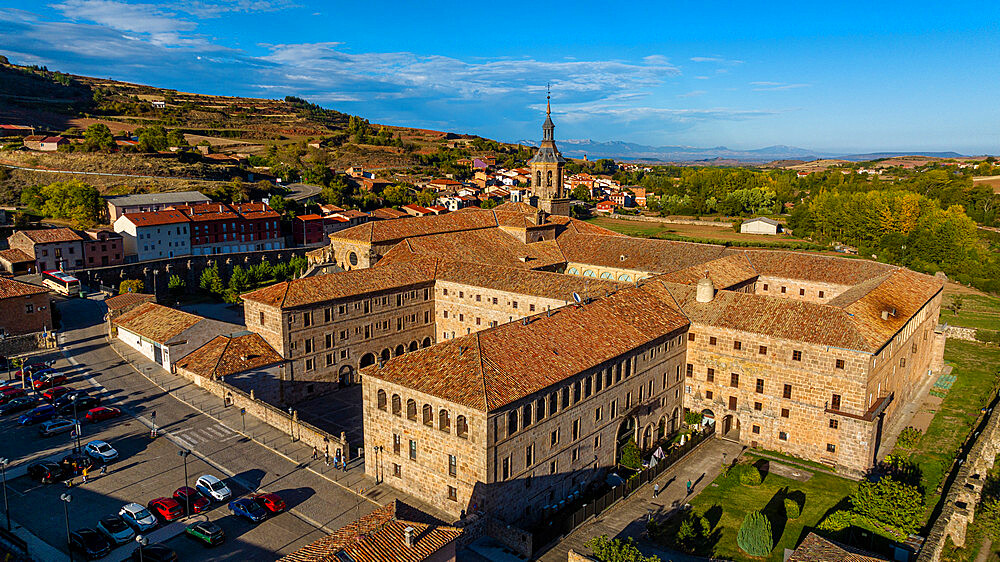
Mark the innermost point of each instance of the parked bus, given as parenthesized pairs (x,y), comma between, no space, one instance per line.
(61,282)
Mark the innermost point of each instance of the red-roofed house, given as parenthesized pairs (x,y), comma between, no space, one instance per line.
(215,228)
(442,184)
(606,206)
(260,228)
(155,235)
(308,230)
(51,248)
(24,308)
(416,210)
(103,247)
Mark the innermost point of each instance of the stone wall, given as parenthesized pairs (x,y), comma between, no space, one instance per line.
(959,333)
(962,496)
(156,273)
(275,417)
(463,309)
(796,289)
(25,314)
(11,346)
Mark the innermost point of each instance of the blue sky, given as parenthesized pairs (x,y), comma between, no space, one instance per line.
(834,76)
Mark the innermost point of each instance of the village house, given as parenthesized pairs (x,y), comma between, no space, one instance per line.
(155,235)
(760,225)
(16,262)
(308,230)
(44,143)
(50,248)
(165,335)
(24,308)
(444,184)
(103,247)
(145,202)
(260,227)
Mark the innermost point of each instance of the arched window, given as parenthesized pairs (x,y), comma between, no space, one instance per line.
(381,399)
(385,355)
(572,271)
(538,178)
(548,178)
(461,427)
(661,428)
(400,349)
(588,273)
(426,343)
(607,275)
(444,421)
(413,346)
(527,415)
(397,405)
(625,277)
(512,422)
(428,415)
(411,410)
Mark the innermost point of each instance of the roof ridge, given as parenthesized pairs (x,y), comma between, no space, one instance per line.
(482,373)
(229,340)
(284,295)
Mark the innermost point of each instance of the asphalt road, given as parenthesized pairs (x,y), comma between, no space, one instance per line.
(148,469)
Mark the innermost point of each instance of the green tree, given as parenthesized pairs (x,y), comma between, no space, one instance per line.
(618,550)
(631,457)
(152,139)
(988,515)
(71,200)
(426,198)
(211,281)
(239,280)
(131,286)
(98,137)
(581,193)
(176,138)
(693,533)
(176,285)
(397,195)
(792,508)
(754,536)
(891,503)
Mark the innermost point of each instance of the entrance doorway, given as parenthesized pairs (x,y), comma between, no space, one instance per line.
(731,427)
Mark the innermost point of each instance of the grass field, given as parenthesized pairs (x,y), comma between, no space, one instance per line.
(726,502)
(977,311)
(645,229)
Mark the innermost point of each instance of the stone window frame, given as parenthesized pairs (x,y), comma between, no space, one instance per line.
(831,448)
(785,413)
(452,466)
(461,427)
(427,413)
(708,394)
(444,421)
(755,429)
(839,364)
(835,402)
(453,493)
(411,409)
(757,406)
(760,386)
(397,470)
(734,380)
(710,375)
(762,350)
(737,345)
(796,355)
(783,436)
(713,340)
(413,450)
(834,424)
(786,392)
(383,400)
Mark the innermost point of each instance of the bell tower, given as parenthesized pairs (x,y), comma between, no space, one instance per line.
(547,169)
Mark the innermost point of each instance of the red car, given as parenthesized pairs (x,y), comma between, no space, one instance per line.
(102,413)
(166,508)
(270,502)
(47,381)
(199,503)
(9,393)
(54,392)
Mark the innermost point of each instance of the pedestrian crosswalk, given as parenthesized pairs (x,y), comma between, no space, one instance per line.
(192,436)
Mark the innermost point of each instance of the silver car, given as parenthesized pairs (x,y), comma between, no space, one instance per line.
(138,517)
(116,529)
(101,451)
(52,427)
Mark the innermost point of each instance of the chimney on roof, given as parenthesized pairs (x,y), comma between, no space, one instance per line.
(408,536)
(705,291)
(888,312)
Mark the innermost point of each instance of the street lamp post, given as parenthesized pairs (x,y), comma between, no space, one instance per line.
(6,508)
(375,453)
(187,497)
(66,498)
(291,423)
(243,415)
(143,541)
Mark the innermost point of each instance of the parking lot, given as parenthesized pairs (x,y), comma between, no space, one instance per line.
(150,468)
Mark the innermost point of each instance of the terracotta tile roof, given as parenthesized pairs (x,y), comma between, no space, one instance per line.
(487,246)
(308,218)
(13,255)
(724,272)
(813,267)
(851,321)
(380,537)
(516,207)
(255,211)
(322,288)
(642,254)
(208,212)
(524,282)
(157,323)
(498,366)
(382,232)
(51,235)
(156,218)
(387,213)
(353,214)
(10,288)
(230,354)
(815,548)
(123,300)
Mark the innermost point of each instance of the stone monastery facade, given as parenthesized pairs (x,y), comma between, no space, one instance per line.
(488,387)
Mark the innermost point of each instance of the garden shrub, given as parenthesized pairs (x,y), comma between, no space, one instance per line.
(748,474)
(908,437)
(792,509)
(631,457)
(754,536)
(836,521)
(693,533)
(891,503)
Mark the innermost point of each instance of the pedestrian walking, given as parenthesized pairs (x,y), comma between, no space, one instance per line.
(85,475)
(689,487)
(315,454)
(656,490)
(326,457)
(104,469)
(344,465)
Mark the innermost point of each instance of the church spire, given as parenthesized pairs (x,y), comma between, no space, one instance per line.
(548,127)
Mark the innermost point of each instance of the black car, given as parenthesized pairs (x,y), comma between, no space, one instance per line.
(73,464)
(154,553)
(45,472)
(19,404)
(92,544)
(80,405)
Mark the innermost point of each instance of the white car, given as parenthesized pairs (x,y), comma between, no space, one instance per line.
(101,451)
(213,488)
(138,517)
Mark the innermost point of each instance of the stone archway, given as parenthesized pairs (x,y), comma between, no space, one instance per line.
(626,432)
(346,375)
(400,349)
(386,355)
(731,427)
(413,346)
(367,359)
(647,438)
(426,342)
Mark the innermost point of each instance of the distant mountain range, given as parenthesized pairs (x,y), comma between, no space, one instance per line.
(631,151)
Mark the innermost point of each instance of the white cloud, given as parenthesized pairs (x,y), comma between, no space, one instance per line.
(767,86)
(692,94)
(717,59)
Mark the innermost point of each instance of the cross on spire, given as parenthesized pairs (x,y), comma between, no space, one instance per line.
(548,97)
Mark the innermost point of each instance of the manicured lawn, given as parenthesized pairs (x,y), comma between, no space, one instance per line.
(792,459)
(975,366)
(977,311)
(726,504)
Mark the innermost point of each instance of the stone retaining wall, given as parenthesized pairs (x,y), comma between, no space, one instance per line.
(15,345)
(274,416)
(959,333)
(963,494)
